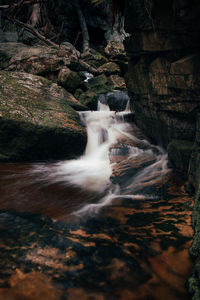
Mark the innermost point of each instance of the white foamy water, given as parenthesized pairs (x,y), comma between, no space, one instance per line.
(93,170)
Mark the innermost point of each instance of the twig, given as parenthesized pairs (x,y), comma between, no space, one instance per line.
(35,32)
(77,38)
(88,68)
(61,29)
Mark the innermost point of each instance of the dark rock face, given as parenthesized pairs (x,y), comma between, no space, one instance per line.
(179,154)
(37,119)
(163,80)
(163,75)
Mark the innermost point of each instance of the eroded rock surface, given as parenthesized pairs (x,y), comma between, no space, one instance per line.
(163,80)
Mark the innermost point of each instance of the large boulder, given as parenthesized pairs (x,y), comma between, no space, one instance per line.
(45,61)
(37,60)
(37,120)
(70,80)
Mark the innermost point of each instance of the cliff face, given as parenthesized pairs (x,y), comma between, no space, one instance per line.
(164,75)
(163,80)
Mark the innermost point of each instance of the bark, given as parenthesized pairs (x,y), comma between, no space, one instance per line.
(32,30)
(83,25)
(35,32)
(35,15)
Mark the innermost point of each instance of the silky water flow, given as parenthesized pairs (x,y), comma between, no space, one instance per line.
(106,131)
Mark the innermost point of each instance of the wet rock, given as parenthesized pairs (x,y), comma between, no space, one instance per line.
(97,86)
(116,100)
(179,154)
(37,119)
(98,81)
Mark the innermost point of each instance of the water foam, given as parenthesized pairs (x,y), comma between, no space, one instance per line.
(93,170)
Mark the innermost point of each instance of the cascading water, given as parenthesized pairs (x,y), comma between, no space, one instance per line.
(109,136)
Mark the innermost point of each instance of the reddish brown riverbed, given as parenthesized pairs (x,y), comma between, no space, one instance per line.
(134,249)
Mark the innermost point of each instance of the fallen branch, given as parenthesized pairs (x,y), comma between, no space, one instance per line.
(88,68)
(36,33)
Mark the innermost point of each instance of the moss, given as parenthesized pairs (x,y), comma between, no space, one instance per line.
(37,121)
(97,81)
(46,82)
(109,69)
(94,58)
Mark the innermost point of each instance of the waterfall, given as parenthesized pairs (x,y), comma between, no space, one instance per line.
(109,137)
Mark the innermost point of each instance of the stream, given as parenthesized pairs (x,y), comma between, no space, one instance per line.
(114,223)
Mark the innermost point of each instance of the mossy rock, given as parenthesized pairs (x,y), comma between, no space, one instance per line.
(37,120)
(94,58)
(109,68)
(179,152)
(117,82)
(68,79)
(97,81)
(97,86)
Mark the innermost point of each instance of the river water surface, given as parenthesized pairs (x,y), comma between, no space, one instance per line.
(112,224)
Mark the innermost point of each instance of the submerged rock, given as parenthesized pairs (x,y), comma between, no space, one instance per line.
(116,100)
(37,120)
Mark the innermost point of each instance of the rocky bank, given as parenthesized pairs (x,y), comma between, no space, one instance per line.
(41,88)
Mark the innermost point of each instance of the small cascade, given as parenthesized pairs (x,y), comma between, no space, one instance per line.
(128,107)
(88,76)
(109,137)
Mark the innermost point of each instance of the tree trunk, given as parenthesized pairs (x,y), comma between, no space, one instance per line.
(83,25)
(35,15)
